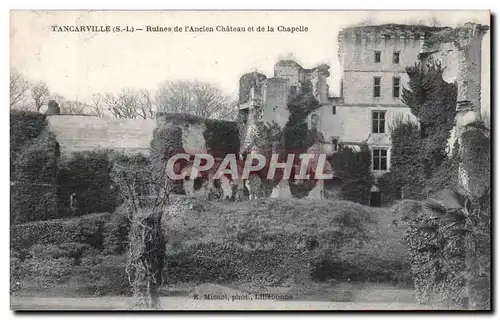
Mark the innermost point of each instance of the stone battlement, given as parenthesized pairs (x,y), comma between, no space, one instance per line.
(389,31)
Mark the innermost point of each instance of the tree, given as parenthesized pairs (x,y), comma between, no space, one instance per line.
(193,97)
(433,101)
(39,93)
(297,137)
(434,22)
(354,169)
(96,107)
(19,89)
(406,163)
(129,103)
(72,107)
(145,199)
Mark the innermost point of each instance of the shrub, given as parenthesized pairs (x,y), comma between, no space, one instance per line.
(446,176)
(116,231)
(15,273)
(390,188)
(407,172)
(354,169)
(87,229)
(86,174)
(24,127)
(476,159)
(302,190)
(419,152)
(135,179)
(72,250)
(47,273)
(297,137)
(221,137)
(106,276)
(34,192)
(449,245)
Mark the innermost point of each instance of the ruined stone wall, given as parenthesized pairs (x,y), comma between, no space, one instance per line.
(459,51)
(81,133)
(192,127)
(297,76)
(247,81)
(275,94)
(289,70)
(318,77)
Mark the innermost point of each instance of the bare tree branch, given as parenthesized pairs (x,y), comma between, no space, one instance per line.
(192,97)
(96,107)
(19,89)
(40,93)
(129,103)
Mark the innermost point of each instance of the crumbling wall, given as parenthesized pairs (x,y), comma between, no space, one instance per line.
(247,81)
(459,50)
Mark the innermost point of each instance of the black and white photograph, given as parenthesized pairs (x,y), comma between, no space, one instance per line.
(262,160)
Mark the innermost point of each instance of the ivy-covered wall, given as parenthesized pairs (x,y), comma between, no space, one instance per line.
(24,127)
(222,137)
(353,168)
(166,142)
(34,185)
(87,175)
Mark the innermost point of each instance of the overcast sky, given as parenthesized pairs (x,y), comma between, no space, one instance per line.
(76,65)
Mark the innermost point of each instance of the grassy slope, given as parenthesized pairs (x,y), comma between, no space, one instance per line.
(197,220)
(256,226)
(361,239)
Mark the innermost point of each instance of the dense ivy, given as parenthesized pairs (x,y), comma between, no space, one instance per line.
(34,185)
(86,174)
(24,127)
(390,189)
(420,164)
(354,170)
(166,142)
(449,244)
(433,101)
(222,137)
(476,160)
(297,137)
(88,229)
(407,169)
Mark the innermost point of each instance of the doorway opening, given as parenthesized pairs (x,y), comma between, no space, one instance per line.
(375,199)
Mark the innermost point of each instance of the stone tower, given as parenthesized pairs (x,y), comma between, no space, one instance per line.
(250,108)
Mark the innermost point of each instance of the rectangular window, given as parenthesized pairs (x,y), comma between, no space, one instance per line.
(334,109)
(395,57)
(377,56)
(395,87)
(378,122)
(376,87)
(379,159)
(293,90)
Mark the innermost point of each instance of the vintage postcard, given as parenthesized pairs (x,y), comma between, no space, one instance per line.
(250,160)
